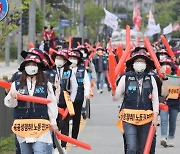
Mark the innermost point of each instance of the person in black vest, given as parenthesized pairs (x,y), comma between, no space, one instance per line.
(162,90)
(80,88)
(33,82)
(139,93)
(62,83)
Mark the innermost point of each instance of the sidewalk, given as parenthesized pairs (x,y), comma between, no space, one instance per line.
(8,70)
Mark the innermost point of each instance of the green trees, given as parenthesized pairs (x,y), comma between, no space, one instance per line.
(168,12)
(93,14)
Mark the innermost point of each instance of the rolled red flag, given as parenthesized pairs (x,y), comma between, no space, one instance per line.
(72,141)
(31,45)
(78,43)
(163,107)
(153,56)
(119,51)
(119,68)
(112,65)
(60,111)
(128,38)
(5,84)
(34,99)
(165,42)
(70,42)
(65,113)
(149,139)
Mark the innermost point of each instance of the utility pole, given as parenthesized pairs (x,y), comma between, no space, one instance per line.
(43,4)
(19,36)
(32,21)
(82,20)
(7,55)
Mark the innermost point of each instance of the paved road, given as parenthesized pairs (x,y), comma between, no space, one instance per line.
(100,131)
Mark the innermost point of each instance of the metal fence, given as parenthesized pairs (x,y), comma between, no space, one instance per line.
(6,118)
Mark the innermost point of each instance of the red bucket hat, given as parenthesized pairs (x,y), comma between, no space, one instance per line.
(34,59)
(143,55)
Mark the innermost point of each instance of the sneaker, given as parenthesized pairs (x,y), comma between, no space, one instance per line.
(84,116)
(164,142)
(170,142)
(101,91)
(55,151)
(64,150)
(98,91)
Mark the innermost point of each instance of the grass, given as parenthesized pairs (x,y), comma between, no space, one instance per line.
(7,145)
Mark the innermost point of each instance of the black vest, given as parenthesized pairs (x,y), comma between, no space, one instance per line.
(29,110)
(65,86)
(80,81)
(133,99)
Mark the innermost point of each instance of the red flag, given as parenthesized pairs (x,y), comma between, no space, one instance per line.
(137,17)
(176,27)
(0,6)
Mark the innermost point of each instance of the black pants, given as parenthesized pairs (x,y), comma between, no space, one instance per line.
(76,119)
(63,126)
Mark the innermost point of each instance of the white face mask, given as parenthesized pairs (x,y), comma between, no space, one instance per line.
(31,70)
(74,62)
(84,55)
(82,51)
(59,63)
(161,57)
(139,67)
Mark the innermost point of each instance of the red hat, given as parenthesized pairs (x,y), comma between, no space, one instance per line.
(33,51)
(74,54)
(34,59)
(140,55)
(63,53)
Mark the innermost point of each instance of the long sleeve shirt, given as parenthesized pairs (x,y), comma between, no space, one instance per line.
(120,91)
(74,84)
(52,110)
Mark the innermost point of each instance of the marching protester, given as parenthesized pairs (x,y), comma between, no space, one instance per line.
(139,94)
(100,63)
(62,83)
(80,88)
(33,82)
(169,118)
(51,37)
(46,38)
(89,66)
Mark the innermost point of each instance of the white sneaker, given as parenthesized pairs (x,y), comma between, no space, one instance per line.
(98,91)
(164,142)
(170,142)
(55,151)
(64,150)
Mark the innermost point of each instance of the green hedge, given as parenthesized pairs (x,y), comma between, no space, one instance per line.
(7,145)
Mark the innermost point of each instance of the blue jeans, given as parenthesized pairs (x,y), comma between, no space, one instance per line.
(136,137)
(100,80)
(172,113)
(36,148)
